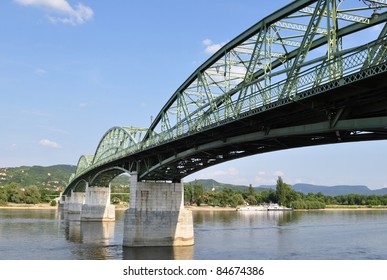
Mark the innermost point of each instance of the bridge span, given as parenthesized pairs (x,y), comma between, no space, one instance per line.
(312,73)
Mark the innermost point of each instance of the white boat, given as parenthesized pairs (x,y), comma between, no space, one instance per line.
(264,207)
(276,207)
(252,208)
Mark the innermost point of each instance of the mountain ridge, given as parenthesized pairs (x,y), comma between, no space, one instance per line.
(301,187)
(58,176)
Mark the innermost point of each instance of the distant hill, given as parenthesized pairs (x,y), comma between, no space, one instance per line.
(208,184)
(338,190)
(300,187)
(57,176)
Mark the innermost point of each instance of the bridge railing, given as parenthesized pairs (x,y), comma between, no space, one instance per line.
(345,63)
(323,72)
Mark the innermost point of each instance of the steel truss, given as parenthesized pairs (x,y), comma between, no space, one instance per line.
(303,49)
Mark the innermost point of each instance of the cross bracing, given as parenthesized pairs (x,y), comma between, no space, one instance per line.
(276,49)
(301,50)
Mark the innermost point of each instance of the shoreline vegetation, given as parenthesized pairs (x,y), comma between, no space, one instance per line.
(196,198)
(284,195)
(47,206)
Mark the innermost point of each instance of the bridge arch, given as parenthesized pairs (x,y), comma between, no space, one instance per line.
(80,186)
(242,73)
(294,79)
(116,140)
(84,162)
(104,177)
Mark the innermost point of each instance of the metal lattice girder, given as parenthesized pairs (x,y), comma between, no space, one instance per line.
(80,186)
(278,48)
(296,53)
(191,159)
(84,162)
(117,139)
(104,177)
(310,33)
(378,53)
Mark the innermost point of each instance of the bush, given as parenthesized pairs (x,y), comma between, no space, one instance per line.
(115,200)
(53,203)
(307,204)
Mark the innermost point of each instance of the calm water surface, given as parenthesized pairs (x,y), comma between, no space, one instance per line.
(331,235)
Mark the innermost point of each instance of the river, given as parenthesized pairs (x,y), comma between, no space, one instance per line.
(219,235)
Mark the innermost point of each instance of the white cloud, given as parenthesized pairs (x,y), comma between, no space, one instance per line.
(49,143)
(217,173)
(267,178)
(233,171)
(211,47)
(40,72)
(261,180)
(222,174)
(61,11)
(278,173)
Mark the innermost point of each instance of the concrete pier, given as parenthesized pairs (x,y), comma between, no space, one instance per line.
(156,215)
(76,202)
(97,205)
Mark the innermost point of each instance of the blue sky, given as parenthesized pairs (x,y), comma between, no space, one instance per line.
(70,70)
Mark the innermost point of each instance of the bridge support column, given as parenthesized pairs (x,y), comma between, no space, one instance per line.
(65,202)
(76,202)
(61,201)
(97,205)
(156,215)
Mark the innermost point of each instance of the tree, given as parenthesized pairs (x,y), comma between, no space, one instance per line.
(3,194)
(15,193)
(198,192)
(284,192)
(250,191)
(32,195)
(188,195)
(236,199)
(251,200)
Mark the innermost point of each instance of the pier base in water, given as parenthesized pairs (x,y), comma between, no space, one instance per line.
(156,216)
(97,205)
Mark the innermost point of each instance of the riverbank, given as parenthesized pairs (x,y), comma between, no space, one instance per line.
(43,206)
(330,208)
(40,206)
(209,208)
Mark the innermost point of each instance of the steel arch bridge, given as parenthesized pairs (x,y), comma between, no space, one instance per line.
(305,75)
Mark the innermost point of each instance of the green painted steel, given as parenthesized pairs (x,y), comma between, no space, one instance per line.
(84,162)
(304,49)
(275,49)
(118,139)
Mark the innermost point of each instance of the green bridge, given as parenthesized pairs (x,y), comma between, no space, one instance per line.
(302,76)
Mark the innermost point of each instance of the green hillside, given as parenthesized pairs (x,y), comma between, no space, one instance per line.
(209,184)
(55,177)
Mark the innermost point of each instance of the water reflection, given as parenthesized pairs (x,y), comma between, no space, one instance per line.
(244,218)
(73,231)
(218,235)
(96,240)
(258,217)
(158,253)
